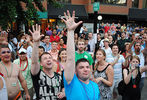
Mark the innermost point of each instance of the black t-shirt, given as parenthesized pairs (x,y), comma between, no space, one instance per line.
(46,87)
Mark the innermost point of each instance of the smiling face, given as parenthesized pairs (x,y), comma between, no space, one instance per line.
(100,55)
(83,71)
(5,54)
(46,61)
(63,55)
(115,49)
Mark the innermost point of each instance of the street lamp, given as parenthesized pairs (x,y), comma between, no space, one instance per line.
(99,19)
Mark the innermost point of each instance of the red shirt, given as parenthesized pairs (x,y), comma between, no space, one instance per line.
(59,46)
(106,28)
(54,38)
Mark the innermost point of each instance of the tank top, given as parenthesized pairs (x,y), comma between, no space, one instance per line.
(3,91)
(105,90)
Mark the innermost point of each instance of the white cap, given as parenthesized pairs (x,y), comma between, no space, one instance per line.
(22,50)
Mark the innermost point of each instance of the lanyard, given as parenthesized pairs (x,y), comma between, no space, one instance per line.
(26,65)
(27,73)
(86,91)
(7,69)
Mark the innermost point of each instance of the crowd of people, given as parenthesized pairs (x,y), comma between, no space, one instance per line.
(64,65)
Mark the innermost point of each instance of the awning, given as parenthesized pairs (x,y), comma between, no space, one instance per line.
(137,14)
(42,14)
(59,12)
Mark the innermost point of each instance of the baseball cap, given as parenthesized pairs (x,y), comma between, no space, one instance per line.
(22,50)
(106,40)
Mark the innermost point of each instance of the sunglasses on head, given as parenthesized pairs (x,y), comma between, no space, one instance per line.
(3,52)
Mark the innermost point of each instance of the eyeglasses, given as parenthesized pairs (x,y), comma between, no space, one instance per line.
(3,52)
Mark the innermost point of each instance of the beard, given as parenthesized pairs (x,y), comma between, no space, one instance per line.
(83,78)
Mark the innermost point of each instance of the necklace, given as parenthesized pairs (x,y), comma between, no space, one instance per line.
(7,69)
(133,81)
(86,91)
(26,65)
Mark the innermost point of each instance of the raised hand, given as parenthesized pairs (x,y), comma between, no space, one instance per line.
(70,21)
(36,33)
(3,38)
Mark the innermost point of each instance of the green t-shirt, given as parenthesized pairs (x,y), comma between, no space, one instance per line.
(85,55)
(41,67)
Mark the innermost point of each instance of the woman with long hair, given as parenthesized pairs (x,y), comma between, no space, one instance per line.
(132,76)
(103,75)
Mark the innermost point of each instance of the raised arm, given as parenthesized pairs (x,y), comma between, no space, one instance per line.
(35,52)
(70,63)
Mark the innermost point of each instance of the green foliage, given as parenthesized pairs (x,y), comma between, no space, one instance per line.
(11,11)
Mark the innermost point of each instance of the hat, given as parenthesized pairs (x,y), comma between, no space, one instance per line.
(22,50)
(106,40)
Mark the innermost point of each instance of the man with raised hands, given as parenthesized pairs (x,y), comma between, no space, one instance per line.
(47,83)
(76,76)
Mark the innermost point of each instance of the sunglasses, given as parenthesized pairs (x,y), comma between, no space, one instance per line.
(3,52)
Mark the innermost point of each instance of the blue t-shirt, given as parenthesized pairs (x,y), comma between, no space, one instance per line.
(78,90)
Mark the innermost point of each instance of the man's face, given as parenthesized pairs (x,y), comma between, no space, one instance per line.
(5,54)
(115,49)
(46,61)
(123,35)
(83,71)
(46,39)
(81,46)
(54,45)
(90,35)
(23,56)
(137,47)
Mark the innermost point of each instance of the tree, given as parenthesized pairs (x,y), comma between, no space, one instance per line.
(12,11)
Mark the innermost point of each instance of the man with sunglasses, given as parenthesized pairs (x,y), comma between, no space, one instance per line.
(12,73)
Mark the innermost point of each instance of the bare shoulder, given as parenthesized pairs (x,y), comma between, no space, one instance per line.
(109,69)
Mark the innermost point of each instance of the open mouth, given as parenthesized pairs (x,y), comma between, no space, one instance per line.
(48,63)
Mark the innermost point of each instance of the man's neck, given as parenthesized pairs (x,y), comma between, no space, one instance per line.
(86,82)
(137,53)
(106,47)
(6,63)
(80,52)
(114,54)
(49,72)
(54,50)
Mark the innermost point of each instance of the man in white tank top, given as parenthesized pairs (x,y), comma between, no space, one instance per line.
(3,89)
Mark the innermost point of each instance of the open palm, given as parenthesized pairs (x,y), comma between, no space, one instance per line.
(36,32)
(70,21)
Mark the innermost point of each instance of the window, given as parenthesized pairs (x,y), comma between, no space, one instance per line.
(113,2)
(135,3)
(64,1)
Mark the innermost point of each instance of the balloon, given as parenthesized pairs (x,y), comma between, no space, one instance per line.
(49,32)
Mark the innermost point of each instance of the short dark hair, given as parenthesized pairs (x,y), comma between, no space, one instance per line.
(115,45)
(44,53)
(41,47)
(81,60)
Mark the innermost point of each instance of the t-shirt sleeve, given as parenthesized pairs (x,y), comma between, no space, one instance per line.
(68,87)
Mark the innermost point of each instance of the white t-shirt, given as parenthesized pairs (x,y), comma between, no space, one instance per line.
(118,66)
